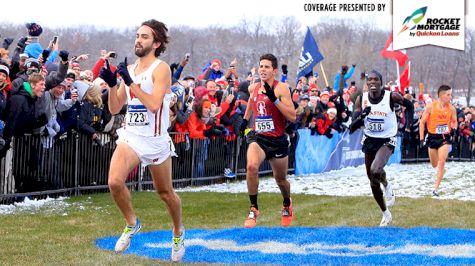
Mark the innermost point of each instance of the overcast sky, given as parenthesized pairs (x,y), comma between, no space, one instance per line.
(200,13)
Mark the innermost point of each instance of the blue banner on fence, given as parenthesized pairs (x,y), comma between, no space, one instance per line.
(313,152)
(317,154)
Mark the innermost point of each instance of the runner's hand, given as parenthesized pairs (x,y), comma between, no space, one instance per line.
(366,112)
(243,127)
(422,144)
(269,92)
(108,76)
(124,72)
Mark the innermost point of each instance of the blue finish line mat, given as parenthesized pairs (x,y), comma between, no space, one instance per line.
(310,245)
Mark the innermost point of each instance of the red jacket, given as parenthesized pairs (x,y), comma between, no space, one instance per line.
(195,126)
(323,124)
(96,69)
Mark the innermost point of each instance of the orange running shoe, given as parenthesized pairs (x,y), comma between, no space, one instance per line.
(287,215)
(250,221)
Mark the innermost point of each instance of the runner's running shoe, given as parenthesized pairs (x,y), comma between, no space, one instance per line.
(250,221)
(389,194)
(387,218)
(178,246)
(229,173)
(124,241)
(287,214)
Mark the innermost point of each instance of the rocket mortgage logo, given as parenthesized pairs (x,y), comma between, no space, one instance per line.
(436,22)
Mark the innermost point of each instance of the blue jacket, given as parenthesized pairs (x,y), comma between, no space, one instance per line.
(347,76)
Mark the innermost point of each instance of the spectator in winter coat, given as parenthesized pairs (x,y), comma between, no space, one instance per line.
(346,75)
(324,123)
(21,109)
(90,114)
(211,71)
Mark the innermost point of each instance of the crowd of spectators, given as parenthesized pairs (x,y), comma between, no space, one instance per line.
(46,91)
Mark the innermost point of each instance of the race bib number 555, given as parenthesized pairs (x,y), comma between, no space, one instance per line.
(264,124)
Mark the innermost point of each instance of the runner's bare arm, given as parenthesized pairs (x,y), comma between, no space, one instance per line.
(398,98)
(286,105)
(117,98)
(161,78)
(423,120)
(248,112)
(453,120)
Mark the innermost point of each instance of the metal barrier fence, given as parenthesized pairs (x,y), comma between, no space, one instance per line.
(73,165)
(462,150)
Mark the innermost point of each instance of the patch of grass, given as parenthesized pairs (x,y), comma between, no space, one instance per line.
(66,236)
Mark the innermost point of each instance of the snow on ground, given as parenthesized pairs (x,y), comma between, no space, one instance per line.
(408,180)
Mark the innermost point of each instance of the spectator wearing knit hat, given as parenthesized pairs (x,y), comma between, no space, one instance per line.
(31,66)
(212,71)
(34,48)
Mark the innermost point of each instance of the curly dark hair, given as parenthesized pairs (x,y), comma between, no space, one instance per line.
(160,34)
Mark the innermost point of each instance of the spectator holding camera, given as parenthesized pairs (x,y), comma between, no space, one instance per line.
(96,69)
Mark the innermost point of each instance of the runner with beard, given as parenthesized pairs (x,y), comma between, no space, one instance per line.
(271,106)
(375,111)
(144,138)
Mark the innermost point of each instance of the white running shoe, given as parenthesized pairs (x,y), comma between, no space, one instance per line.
(387,219)
(178,246)
(389,194)
(124,241)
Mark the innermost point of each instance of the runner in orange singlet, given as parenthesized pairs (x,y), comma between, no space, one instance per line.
(441,119)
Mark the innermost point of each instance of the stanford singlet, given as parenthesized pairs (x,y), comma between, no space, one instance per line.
(268,120)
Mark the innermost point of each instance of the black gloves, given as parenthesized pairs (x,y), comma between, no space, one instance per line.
(108,76)
(124,72)
(359,120)
(269,92)
(422,144)
(22,43)
(98,142)
(63,54)
(45,55)
(365,112)
(344,70)
(328,133)
(353,65)
(243,126)
(6,43)
(42,119)
(362,75)
(213,131)
(284,69)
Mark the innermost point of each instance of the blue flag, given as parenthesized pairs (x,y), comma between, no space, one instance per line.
(310,55)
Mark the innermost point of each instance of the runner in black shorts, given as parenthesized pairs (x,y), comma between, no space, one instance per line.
(273,147)
(271,106)
(441,118)
(375,110)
